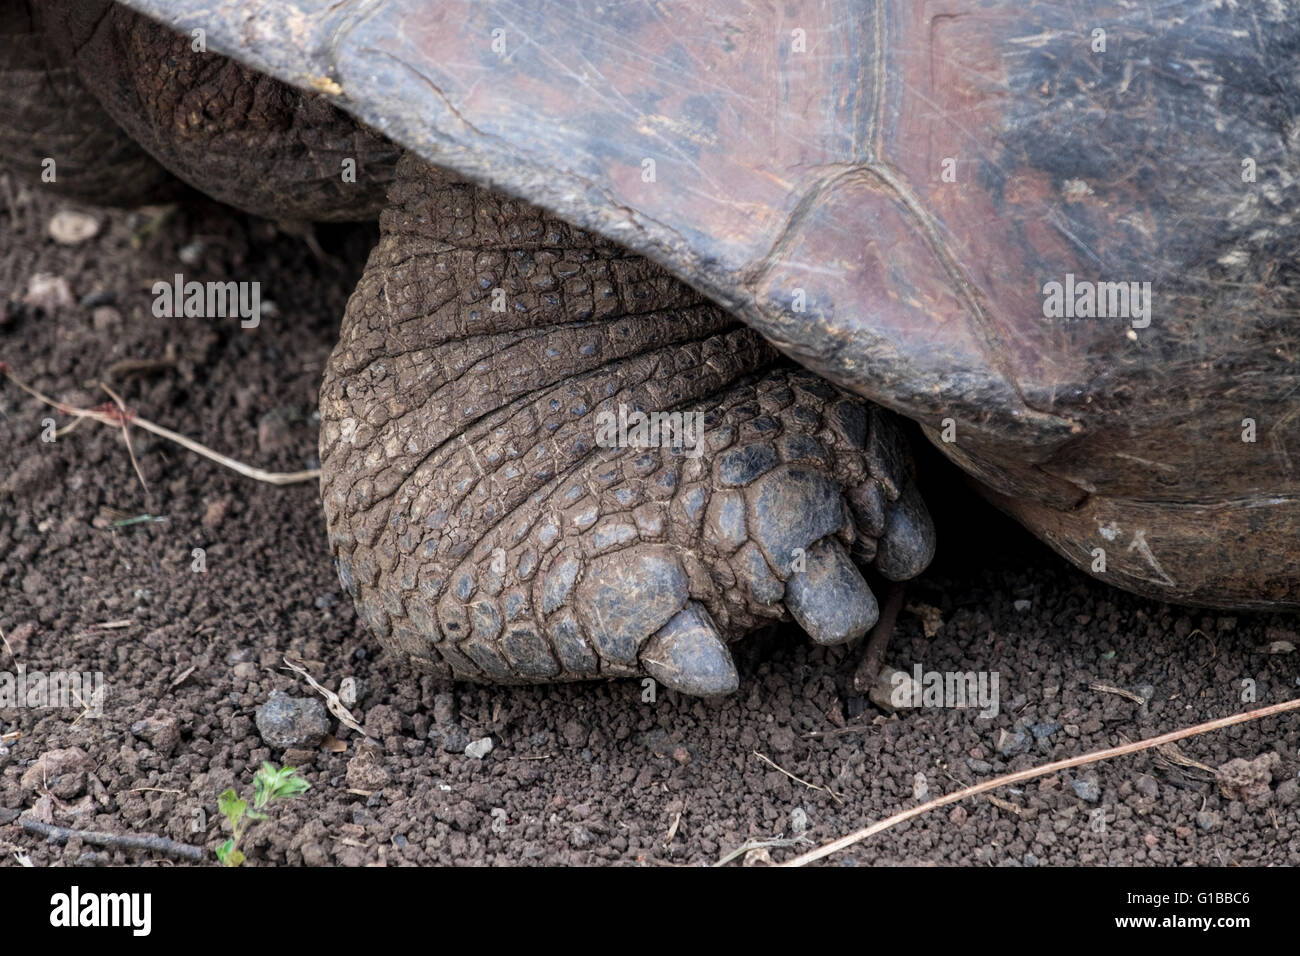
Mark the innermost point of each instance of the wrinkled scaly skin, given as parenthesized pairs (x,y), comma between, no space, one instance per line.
(485,531)
(486,526)
(49,114)
(236,135)
(805,150)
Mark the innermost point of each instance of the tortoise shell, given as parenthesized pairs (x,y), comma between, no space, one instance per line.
(1056,237)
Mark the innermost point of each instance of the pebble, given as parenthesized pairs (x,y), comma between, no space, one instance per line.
(285,721)
(895,690)
(241,655)
(192,252)
(1147,786)
(69,227)
(1009,745)
(1022,605)
(1207,819)
(162,730)
(920,787)
(798,821)
(479,749)
(451,739)
(47,292)
(444,709)
(1087,789)
(1043,731)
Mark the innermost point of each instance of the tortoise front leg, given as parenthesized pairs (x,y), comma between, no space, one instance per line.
(495,518)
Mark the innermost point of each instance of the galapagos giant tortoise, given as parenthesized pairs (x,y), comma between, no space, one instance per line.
(1054,234)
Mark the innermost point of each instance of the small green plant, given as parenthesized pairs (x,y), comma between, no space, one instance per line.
(269,784)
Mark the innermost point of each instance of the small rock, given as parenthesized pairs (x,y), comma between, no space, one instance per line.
(1207,819)
(444,709)
(580,837)
(162,730)
(757,857)
(61,772)
(920,787)
(1022,605)
(798,821)
(245,670)
(241,655)
(192,252)
(1044,731)
(1151,841)
(1086,789)
(48,292)
(452,739)
(979,766)
(1182,832)
(1009,745)
(1288,791)
(479,749)
(895,690)
(97,297)
(957,817)
(69,227)
(1147,786)
(285,721)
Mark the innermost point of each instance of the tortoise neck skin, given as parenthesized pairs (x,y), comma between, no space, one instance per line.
(893,193)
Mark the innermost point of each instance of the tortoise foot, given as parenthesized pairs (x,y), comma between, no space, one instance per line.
(606,476)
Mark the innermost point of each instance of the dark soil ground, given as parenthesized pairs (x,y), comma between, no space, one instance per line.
(577,773)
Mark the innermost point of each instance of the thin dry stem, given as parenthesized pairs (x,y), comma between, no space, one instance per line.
(1021,776)
(119,416)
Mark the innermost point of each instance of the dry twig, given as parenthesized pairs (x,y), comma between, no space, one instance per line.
(1033,772)
(124,841)
(118,415)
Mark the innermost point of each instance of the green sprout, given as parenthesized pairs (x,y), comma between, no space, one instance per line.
(269,784)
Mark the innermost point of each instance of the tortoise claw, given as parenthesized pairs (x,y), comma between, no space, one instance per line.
(907,544)
(829,598)
(688,655)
